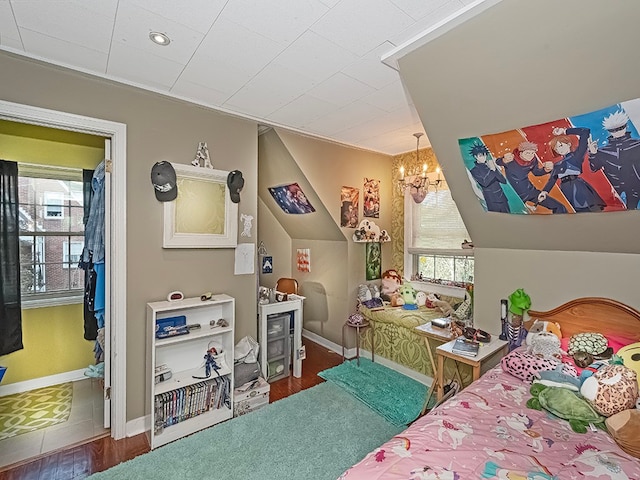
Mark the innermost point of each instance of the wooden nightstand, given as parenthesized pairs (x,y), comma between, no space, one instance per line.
(487,352)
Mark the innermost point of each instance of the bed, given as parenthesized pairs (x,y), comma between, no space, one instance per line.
(486,430)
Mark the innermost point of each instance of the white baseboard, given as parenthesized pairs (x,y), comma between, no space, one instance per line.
(42,382)
(138,425)
(351,352)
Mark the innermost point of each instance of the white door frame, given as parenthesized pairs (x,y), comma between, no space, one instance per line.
(117,132)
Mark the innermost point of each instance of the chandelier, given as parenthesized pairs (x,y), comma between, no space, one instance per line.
(414,179)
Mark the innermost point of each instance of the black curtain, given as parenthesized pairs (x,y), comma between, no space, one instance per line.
(10,305)
(90,321)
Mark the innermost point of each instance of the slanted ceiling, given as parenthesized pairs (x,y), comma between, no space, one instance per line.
(276,166)
(523,63)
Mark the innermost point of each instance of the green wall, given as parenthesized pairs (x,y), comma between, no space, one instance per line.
(52,336)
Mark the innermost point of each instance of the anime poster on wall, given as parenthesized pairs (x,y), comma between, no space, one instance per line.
(371,201)
(349,199)
(291,199)
(585,163)
(373,256)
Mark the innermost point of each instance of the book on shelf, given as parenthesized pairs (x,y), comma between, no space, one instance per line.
(462,346)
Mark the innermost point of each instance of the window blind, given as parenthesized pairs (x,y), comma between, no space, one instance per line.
(436,223)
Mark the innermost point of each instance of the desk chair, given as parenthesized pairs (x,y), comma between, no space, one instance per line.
(287,285)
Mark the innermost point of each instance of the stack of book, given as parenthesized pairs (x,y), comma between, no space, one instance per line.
(469,348)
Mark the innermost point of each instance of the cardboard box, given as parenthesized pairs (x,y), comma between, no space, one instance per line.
(247,400)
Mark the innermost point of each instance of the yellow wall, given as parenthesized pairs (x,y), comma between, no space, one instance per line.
(53,343)
(52,336)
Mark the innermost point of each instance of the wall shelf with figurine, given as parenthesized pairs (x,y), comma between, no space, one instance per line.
(369,232)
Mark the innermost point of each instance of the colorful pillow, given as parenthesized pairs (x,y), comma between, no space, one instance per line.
(527,366)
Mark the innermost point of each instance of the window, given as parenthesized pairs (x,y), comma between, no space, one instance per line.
(51,233)
(434,233)
(53,202)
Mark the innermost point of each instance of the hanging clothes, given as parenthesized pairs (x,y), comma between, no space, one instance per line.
(93,255)
(10,303)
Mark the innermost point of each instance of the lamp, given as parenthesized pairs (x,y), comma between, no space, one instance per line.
(415,178)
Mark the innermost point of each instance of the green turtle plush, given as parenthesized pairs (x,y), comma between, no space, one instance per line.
(565,404)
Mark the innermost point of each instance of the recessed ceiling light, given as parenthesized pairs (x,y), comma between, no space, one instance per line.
(159,38)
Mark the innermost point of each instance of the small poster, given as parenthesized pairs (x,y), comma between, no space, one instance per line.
(371,205)
(373,260)
(303,259)
(291,199)
(349,198)
(267,264)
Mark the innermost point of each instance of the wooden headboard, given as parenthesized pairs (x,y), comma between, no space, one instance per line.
(592,314)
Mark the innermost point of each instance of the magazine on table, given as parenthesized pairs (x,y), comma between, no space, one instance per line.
(462,346)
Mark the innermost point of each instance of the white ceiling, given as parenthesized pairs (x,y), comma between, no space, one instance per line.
(313,66)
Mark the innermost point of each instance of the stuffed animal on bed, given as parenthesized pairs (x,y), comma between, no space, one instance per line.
(611,389)
(624,427)
(544,344)
(630,355)
(543,326)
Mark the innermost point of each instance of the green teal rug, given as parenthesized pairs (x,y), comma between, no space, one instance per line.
(316,434)
(393,395)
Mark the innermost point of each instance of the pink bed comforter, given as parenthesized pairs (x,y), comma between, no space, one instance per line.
(487,431)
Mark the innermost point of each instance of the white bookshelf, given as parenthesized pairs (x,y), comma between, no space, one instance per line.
(184,355)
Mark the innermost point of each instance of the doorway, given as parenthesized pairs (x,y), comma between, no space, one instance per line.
(114,396)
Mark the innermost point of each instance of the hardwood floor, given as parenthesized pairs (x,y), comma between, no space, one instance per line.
(82,460)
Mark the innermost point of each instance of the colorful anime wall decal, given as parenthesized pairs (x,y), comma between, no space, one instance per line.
(585,163)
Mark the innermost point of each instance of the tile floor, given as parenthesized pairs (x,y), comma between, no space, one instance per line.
(85,422)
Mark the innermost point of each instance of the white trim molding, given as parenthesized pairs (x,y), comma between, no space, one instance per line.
(117,132)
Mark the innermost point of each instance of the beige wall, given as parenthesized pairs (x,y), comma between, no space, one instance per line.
(522,63)
(337,263)
(278,245)
(157,129)
(551,278)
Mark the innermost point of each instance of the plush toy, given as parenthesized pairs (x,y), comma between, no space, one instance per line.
(544,344)
(565,404)
(434,302)
(543,326)
(624,427)
(557,378)
(408,294)
(391,282)
(421,298)
(611,389)
(593,343)
(631,357)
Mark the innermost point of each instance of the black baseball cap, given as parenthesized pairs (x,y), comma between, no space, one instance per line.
(163,177)
(235,182)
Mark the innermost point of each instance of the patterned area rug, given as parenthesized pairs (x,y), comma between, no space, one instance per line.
(33,410)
